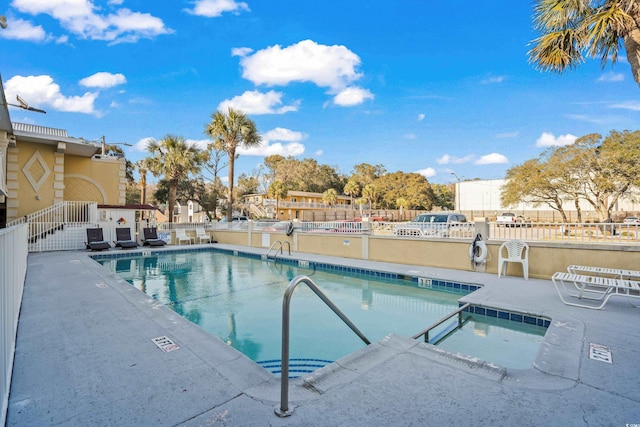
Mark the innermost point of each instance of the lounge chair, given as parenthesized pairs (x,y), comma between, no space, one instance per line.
(181,236)
(516,251)
(95,240)
(604,272)
(594,288)
(123,239)
(151,237)
(202,236)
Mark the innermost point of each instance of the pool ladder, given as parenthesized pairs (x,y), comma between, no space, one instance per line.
(278,245)
(284,410)
(461,322)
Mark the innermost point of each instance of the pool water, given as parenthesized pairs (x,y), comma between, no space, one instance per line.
(239,300)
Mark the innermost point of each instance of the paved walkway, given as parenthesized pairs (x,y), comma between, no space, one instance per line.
(85,357)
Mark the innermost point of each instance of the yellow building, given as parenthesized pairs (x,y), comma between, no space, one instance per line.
(41,167)
(297,205)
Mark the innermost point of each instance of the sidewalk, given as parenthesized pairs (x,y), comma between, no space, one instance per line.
(85,356)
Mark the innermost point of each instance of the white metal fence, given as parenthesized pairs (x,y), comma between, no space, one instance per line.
(13,268)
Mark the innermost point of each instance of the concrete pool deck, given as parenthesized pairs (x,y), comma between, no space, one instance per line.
(85,356)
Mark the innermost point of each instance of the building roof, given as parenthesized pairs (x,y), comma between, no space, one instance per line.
(53,136)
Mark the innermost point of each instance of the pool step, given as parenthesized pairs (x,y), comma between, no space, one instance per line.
(297,367)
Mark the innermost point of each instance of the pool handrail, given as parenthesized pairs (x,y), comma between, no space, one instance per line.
(284,410)
(278,248)
(425,331)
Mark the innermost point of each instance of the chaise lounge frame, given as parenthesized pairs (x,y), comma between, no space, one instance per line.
(594,288)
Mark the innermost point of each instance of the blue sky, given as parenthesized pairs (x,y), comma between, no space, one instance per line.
(439,88)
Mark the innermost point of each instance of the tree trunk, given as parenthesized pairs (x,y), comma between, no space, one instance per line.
(232,158)
(632,46)
(173,190)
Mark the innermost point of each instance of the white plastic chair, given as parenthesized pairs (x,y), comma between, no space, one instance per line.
(516,251)
(181,236)
(202,236)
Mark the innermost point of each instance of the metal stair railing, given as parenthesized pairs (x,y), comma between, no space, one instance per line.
(284,410)
(279,245)
(425,332)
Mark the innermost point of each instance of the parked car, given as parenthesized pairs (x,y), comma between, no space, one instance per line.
(436,224)
(510,219)
(631,220)
(234,219)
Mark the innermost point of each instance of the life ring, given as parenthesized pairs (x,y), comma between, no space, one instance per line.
(290,229)
(478,251)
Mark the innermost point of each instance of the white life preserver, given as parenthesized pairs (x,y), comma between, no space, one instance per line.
(480,254)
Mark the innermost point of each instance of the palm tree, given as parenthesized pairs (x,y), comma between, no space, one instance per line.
(175,159)
(575,29)
(230,131)
(330,197)
(142,167)
(351,189)
(278,190)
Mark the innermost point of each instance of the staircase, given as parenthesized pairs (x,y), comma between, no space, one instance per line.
(297,367)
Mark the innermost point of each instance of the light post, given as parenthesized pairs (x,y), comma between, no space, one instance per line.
(104,145)
(457,194)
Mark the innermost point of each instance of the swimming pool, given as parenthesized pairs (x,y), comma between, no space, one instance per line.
(238,298)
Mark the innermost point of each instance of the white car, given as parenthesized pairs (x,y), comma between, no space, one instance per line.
(631,220)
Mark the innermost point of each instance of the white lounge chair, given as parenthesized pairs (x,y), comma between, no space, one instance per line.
(604,272)
(595,288)
(516,251)
(202,236)
(181,236)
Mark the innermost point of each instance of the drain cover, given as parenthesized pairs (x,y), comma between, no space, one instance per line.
(165,344)
(600,352)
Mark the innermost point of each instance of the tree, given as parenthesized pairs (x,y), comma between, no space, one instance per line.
(330,197)
(278,190)
(402,203)
(174,159)
(595,170)
(575,29)
(370,194)
(230,131)
(532,183)
(351,189)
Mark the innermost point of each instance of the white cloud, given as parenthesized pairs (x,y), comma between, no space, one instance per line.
(79,18)
(628,105)
(319,153)
(549,140)
(493,79)
(281,141)
(352,96)
(215,8)
(103,80)
(410,136)
(492,159)
(40,91)
(256,102)
(333,67)
(611,77)
(19,29)
(141,145)
(427,172)
(421,117)
(446,159)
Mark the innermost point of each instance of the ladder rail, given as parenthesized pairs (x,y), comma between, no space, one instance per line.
(284,410)
(425,331)
(279,247)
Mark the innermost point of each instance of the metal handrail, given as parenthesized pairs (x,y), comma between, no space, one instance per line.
(425,332)
(279,248)
(284,410)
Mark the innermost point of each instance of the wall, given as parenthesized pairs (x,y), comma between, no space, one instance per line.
(544,259)
(38,176)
